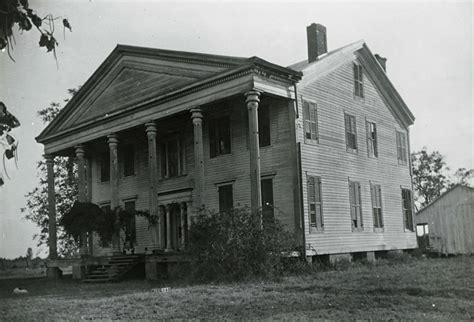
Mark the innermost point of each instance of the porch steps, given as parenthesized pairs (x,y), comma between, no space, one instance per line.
(115,270)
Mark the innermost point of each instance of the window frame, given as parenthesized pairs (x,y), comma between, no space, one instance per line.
(215,136)
(351,131)
(357,204)
(402,153)
(264,118)
(310,122)
(409,210)
(133,219)
(376,191)
(104,167)
(164,156)
(316,224)
(270,208)
(372,139)
(358,74)
(224,186)
(124,150)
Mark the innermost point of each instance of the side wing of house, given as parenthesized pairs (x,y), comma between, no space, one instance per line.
(354,157)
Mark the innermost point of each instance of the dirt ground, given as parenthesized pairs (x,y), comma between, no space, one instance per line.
(415,288)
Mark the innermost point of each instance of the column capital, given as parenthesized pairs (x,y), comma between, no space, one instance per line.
(252,96)
(196,113)
(80,150)
(150,127)
(49,158)
(112,139)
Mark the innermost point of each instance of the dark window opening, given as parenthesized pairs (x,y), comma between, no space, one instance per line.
(407,209)
(358,80)
(219,136)
(130,234)
(105,167)
(173,157)
(315,203)
(351,133)
(372,149)
(226,199)
(264,125)
(356,207)
(128,154)
(268,212)
(376,196)
(310,115)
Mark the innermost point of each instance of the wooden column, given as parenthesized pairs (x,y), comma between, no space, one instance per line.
(52,241)
(196,116)
(112,140)
(252,100)
(81,190)
(182,208)
(168,247)
(153,180)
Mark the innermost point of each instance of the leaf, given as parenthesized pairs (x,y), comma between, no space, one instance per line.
(66,24)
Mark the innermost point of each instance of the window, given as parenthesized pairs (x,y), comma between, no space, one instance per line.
(376,196)
(422,230)
(267,201)
(407,209)
(104,167)
(310,116)
(226,200)
(401,148)
(173,158)
(128,155)
(351,133)
(372,149)
(358,80)
(264,125)
(315,203)
(356,208)
(130,234)
(219,136)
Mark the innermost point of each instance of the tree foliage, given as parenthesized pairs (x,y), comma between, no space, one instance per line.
(65,184)
(19,12)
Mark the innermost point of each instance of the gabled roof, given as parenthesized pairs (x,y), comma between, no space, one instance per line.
(328,62)
(132,77)
(455,187)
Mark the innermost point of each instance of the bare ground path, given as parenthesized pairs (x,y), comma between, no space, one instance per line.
(441,289)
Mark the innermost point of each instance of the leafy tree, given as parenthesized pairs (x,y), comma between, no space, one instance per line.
(429,176)
(19,12)
(463,177)
(65,183)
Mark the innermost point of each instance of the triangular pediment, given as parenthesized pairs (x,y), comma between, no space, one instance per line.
(131,75)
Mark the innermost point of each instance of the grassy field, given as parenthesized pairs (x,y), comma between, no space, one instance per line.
(428,289)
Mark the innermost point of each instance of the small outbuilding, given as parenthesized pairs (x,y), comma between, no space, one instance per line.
(446,225)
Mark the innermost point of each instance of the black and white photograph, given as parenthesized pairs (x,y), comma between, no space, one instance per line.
(236,160)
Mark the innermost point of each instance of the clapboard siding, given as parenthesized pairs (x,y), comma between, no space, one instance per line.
(450,221)
(277,162)
(333,94)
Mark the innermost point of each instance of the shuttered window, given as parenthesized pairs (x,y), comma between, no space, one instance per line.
(401,148)
(104,167)
(219,136)
(372,149)
(351,132)
(226,198)
(407,209)
(310,115)
(173,157)
(358,80)
(315,203)
(376,196)
(355,204)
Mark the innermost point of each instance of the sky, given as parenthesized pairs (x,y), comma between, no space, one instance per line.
(428,45)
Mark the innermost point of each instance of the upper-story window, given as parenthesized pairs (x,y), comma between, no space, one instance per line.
(401,148)
(128,155)
(356,205)
(104,167)
(310,116)
(351,132)
(264,125)
(219,136)
(173,157)
(358,80)
(372,149)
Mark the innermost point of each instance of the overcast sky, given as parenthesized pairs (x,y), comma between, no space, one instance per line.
(428,46)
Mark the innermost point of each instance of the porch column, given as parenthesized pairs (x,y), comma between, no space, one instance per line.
(196,116)
(168,228)
(182,207)
(52,241)
(252,100)
(112,140)
(153,180)
(81,190)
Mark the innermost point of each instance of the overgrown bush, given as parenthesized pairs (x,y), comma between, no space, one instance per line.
(233,245)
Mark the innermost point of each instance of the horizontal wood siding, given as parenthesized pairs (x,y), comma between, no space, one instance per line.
(450,222)
(334,95)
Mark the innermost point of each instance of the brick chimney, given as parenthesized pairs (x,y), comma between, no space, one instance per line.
(317,42)
(382,61)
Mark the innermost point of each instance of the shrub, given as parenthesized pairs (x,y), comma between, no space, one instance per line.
(232,246)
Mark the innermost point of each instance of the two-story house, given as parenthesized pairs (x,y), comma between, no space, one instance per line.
(321,145)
